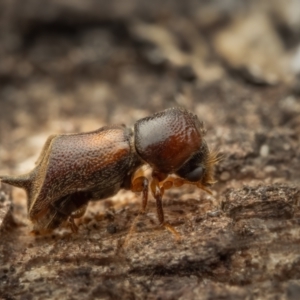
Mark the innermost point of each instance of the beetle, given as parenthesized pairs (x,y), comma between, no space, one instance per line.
(74,169)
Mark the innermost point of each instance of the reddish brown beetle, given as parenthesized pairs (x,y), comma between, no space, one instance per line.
(74,169)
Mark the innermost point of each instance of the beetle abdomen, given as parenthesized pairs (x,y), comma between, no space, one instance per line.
(91,162)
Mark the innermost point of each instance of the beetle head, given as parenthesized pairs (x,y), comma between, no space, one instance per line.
(200,166)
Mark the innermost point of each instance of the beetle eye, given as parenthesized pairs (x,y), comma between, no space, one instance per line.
(195,175)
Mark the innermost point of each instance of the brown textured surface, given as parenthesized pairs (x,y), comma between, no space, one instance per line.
(75,66)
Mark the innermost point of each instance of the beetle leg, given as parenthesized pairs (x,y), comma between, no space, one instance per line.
(75,215)
(158,192)
(72,225)
(67,209)
(140,184)
(177,182)
(204,188)
(172,182)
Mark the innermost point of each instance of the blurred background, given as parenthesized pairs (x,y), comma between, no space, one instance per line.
(76,65)
(69,66)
